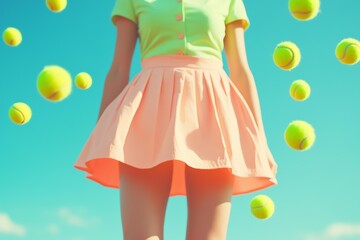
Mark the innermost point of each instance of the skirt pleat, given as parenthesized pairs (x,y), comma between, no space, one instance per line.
(183,109)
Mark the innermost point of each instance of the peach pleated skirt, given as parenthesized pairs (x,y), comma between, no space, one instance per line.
(183,109)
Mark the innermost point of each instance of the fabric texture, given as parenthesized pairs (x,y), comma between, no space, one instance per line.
(183,109)
(183,27)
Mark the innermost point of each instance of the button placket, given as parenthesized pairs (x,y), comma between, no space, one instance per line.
(179,17)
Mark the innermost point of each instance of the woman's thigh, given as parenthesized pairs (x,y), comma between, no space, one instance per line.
(209,203)
(143,197)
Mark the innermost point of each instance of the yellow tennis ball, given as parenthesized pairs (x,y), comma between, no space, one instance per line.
(12,36)
(304,10)
(299,135)
(300,90)
(262,207)
(20,113)
(56,5)
(286,55)
(83,80)
(54,83)
(348,51)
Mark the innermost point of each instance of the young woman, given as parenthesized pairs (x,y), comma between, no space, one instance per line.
(182,126)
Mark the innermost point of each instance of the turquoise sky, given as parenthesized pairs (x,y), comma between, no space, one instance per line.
(42,196)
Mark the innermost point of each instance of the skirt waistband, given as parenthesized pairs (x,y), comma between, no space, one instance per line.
(181,61)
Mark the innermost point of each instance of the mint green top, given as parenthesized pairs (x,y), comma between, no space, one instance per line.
(181,27)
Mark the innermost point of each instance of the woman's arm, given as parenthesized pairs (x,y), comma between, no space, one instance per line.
(118,75)
(240,73)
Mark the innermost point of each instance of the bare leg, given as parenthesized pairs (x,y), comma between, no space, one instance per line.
(144,196)
(209,203)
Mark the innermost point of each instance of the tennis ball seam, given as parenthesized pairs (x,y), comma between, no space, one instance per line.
(57,92)
(295,88)
(22,115)
(346,48)
(302,141)
(51,6)
(261,206)
(300,12)
(292,56)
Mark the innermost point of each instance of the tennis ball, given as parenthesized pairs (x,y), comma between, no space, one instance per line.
(83,80)
(300,90)
(348,51)
(262,207)
(12,36)
(304,10)
(299,135)
(286,55)
(56,5)
(54,83)
(20,113)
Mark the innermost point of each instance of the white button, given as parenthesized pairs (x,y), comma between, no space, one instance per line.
(179,17)
(180,35)
(180,52)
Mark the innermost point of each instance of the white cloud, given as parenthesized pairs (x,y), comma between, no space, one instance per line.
(71,218)
(53,229)
(74,220)
(7,226)
(343,229)
(337,231)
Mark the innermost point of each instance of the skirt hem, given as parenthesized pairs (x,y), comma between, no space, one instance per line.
(267,181)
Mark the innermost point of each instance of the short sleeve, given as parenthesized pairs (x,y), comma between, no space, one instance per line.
(237,11)
(124,8)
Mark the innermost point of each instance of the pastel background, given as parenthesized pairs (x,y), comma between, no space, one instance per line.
(42,197)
